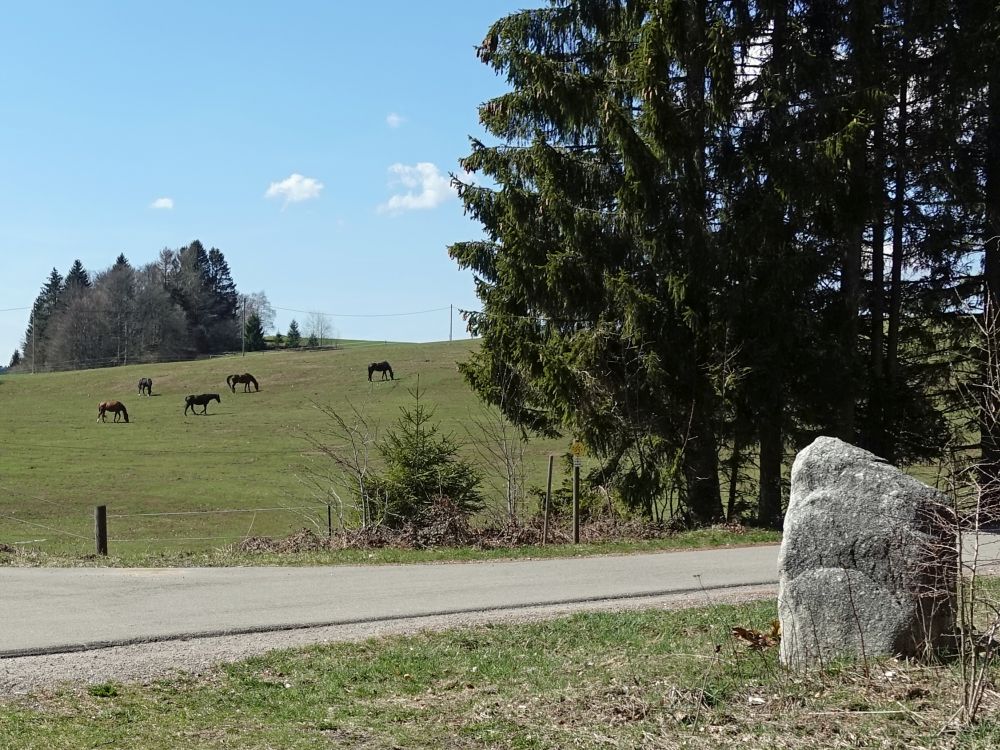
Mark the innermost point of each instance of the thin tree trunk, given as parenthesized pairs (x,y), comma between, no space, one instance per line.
(771,457)
(896,270)
(701,459)
(857,214)
(876,430)
(989,418)
(735,462)
(898,207)
(701,455)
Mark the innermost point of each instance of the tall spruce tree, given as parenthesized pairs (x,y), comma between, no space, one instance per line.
(601,273)
(72,341)
(202,284)
(42,311)
(77,277)
(728,221)
(294,335)
(254,334)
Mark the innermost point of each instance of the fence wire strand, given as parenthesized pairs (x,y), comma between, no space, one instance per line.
(216,511)
(43,526)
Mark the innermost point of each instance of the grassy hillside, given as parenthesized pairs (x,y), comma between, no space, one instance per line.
(57,462)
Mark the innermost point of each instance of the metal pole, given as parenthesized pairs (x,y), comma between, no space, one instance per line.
(329,521)
(243,330)
(34,335)
(451,320)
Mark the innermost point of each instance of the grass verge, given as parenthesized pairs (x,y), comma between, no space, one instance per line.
(709,538)
(657,679)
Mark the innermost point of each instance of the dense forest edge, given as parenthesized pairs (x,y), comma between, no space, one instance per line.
(716,230)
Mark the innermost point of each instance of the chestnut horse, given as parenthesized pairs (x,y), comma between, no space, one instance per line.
(203,400)
(246,378)
(146,386)
(382,367)
(116,407)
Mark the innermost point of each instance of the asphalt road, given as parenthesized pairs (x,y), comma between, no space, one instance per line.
(51,610)
(55,610)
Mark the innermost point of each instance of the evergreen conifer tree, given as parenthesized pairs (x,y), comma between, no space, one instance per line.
(77,277)
(294,336)
(254,333)
(422,465)
(44,308)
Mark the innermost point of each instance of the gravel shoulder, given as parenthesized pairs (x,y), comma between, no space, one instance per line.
(149,661)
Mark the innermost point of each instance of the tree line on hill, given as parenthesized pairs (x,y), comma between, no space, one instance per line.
(182,305)
(717,228)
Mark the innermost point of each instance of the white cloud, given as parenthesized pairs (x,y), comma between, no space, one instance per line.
(295,188)
(394,120)
(163,203)
(425,188)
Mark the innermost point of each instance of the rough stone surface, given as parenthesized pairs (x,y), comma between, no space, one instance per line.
(866,562)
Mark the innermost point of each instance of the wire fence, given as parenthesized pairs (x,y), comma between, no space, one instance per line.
(322,520)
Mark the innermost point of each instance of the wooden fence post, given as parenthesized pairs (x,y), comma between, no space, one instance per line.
(576,501)
(101,529)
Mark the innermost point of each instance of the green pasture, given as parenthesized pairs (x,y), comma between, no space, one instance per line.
(250,452)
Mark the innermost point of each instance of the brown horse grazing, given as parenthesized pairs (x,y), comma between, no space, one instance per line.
(116,407)
(203,400)
(146,386)
(246,378)
(382,367)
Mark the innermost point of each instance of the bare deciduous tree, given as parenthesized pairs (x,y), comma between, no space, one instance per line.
(342,472)
(318,325)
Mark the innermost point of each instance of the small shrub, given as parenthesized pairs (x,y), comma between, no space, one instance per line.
(422,466)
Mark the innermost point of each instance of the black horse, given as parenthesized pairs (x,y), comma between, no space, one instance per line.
(146,386)
(382,367)
(246,378)
(203,400)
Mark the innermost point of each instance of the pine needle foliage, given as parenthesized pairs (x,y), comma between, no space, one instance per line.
(422,465)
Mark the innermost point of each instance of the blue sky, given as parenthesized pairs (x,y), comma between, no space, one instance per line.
(309,141)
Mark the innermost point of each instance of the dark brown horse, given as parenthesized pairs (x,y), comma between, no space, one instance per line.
(246,378)
(382,367)
(116,407)
(203,400)
(146,386)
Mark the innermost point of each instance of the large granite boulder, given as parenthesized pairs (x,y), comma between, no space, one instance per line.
(867,561)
